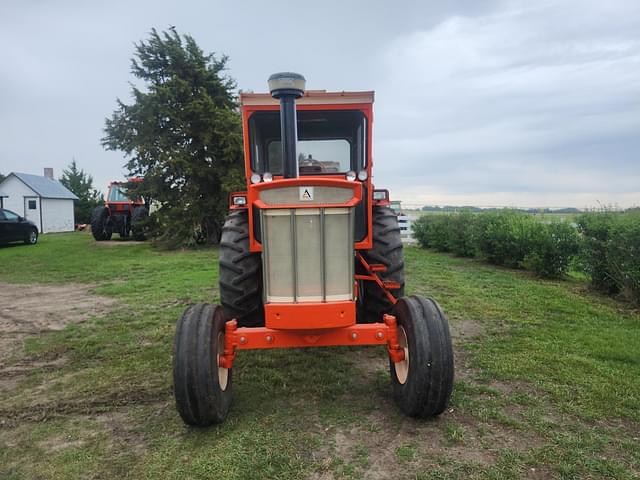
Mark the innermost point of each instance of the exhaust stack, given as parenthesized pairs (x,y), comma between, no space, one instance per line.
(286,87)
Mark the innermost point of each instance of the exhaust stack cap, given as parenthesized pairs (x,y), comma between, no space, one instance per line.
(287,84)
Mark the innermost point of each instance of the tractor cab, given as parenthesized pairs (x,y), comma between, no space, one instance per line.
(310,255)
(117,198)
(329,142)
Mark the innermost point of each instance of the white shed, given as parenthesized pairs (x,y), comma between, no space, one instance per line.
(41,199)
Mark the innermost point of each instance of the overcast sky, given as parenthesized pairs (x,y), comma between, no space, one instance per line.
(513,103)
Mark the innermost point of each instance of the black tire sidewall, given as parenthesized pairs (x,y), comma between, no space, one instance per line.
(431,364)
(409,395)
(140,214)
(99,220)
(199,398)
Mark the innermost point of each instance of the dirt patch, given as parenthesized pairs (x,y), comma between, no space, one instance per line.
(99,404)
(28,310)
(381,445)
(465,330)
(120,243)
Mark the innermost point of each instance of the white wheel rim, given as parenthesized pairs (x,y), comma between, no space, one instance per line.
(402,367)
(32,237)
(223,373)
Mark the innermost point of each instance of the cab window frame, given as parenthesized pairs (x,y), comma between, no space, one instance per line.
(259,147)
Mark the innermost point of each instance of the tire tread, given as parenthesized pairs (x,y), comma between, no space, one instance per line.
(240,273)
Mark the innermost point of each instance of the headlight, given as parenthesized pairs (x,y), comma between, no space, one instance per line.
(267,177)
(363,175)
(239,200)
(351,176)
(255,178)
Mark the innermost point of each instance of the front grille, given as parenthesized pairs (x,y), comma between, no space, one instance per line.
(307,254)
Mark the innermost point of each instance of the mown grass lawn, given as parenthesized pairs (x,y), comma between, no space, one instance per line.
(548,382)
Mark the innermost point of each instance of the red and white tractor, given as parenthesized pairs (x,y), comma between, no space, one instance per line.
(120,214)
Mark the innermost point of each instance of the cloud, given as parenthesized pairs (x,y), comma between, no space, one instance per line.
(531,99)
(493,102)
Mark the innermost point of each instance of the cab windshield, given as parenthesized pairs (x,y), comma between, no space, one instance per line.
(116,194)
(329,142)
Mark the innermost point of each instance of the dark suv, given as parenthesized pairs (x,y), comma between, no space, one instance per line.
(14,228)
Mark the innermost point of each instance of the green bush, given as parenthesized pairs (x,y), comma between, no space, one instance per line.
(593,259)
(552,246)
(505,237)
(623,255)
(419,228)
(606,245)
(431,232)
(461,233)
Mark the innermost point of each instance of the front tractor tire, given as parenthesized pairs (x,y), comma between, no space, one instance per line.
(423,381)
(202,388)
(138,223)
(387,250)
(240,273)
(100,226)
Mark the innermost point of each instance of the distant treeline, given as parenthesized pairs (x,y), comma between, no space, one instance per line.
(451,208)
(604,245)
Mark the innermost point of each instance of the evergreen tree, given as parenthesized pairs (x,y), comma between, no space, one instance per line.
(182,133)
(81,184)
(2,177)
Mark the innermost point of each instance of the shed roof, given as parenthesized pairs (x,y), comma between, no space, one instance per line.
(45,187)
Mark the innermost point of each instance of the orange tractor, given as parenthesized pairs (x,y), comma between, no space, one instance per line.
(120,214)
(310,256)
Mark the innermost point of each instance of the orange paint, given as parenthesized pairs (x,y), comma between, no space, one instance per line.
(257,338)
(305,316)
(365,108)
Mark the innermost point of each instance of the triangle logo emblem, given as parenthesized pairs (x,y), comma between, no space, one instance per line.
(306,194)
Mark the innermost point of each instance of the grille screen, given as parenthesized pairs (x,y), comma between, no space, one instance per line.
(307,254)
(291,195)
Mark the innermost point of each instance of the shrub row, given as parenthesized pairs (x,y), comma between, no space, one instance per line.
(508,237)
(605,245)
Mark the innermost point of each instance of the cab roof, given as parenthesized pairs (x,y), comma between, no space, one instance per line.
(311,97)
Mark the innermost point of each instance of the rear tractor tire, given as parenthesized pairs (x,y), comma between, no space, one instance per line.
(138,221)
(202,388)
(387,250)
(240,273)
(423,381)
(100,226)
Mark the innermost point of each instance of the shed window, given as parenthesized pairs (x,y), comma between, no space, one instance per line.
(32,205)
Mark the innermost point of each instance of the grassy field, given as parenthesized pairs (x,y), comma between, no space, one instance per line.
(547,381)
